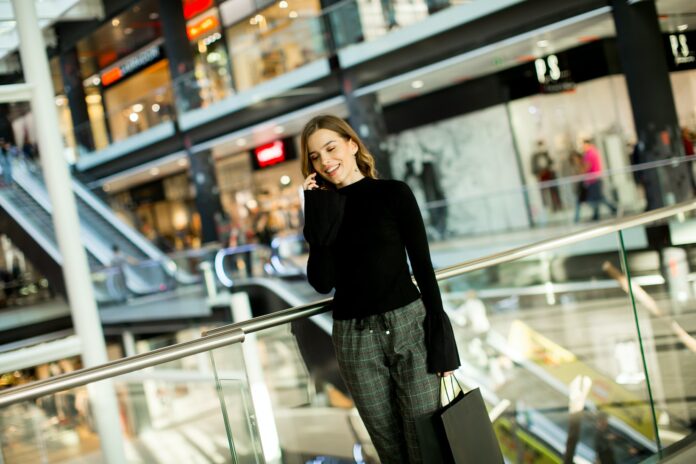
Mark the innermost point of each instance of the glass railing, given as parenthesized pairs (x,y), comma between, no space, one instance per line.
(355,21)
(559,204)
(582,344)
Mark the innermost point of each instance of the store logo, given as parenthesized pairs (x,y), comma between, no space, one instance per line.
(680,49)
(550,75)
(130,66)
(199,28)
(269,154)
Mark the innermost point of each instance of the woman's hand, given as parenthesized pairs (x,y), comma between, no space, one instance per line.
(445,374)
(310,182)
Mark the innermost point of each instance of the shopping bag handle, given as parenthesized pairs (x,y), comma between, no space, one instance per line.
(453,379)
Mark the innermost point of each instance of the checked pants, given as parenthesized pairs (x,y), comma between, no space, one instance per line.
(382,359)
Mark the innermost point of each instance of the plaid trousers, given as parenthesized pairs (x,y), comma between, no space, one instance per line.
(382,359)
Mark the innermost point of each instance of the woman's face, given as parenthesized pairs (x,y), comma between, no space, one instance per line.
(333,157)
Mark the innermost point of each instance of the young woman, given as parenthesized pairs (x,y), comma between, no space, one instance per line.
(392,342)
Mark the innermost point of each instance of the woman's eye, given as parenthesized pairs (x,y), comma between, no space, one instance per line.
(313,157)
(330,149)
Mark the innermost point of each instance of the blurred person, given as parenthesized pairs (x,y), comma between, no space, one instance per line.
(603,440)
(592,168)
(6,162)
(581,190)
(542,168)
(392,342)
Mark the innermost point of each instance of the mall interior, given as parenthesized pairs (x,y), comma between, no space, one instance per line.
(154,303)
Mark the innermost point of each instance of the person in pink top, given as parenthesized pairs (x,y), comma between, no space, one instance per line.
(592,165)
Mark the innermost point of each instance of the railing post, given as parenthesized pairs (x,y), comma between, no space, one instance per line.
(78,281)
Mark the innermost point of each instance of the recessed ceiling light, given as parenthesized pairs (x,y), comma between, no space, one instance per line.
(128,30)
(115,22)
(417,84)
(682,27)
(138,107)
(543,43)
(241,142)
(155,107)
(283,4)
(154,171)
(278,129)
(133,117)
(153,15)
(183,162)
(96,81)
(293,14)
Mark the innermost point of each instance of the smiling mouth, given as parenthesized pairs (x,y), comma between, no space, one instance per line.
(332,170)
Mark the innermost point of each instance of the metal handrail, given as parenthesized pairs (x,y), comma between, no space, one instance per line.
(234,333)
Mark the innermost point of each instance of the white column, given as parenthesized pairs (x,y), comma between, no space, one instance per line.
(67,228)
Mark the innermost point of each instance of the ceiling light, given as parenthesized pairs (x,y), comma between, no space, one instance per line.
(128,30)
(96,81)
(133,117)
(682,27)
(417,84)
(182,162)
(138,107)
(155,107)
(543,43)
(154,171)
(278,129)
(107,187)
(285,180)
(61,100)
(293,14)
(241,142)
(283,4)
(115,22)
(153,15)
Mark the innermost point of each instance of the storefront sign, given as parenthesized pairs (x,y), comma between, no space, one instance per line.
(195,7)
(682,54)
(202,26)
(131,65)
(270,154)
(552,78)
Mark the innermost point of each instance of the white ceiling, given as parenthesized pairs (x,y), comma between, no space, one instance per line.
(48,12)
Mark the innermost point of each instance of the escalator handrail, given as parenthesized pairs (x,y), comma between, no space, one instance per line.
(234,333)
(107,214)
(46,244)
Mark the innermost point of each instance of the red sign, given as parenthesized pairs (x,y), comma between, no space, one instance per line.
(195,7)
(199,28)
(269,154)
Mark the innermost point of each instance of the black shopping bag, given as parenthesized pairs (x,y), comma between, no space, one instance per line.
(469,431)
(459,432)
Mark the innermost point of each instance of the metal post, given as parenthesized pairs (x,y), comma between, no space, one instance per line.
(65,220)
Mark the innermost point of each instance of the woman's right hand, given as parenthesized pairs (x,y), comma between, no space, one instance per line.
(310,182)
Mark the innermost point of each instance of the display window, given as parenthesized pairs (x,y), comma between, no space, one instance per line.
(131,110)
(273,41)
(211,61)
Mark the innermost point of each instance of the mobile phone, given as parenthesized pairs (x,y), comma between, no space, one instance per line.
(321,182)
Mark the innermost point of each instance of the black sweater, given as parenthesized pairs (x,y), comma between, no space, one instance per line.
(358,237)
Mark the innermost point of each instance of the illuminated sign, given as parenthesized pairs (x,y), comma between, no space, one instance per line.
(681,52)
(195,7)
(550,75)
(131,65)
(270,154)
(198,28)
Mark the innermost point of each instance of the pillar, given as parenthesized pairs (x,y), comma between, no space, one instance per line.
(179,54)
(644,65)
(75,91)
(65,220)
(208,205)
(366,118)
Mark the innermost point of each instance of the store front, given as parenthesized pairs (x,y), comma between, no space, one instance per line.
(480,171)
(125,77)
(163,210)
(260,191)
(211,61)
(267,43)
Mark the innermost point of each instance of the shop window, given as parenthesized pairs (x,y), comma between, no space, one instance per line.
(130,110)
(275,41)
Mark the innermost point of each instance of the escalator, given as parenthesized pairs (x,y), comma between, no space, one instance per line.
(28,218)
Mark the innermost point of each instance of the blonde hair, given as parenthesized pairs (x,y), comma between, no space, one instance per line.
(365,161)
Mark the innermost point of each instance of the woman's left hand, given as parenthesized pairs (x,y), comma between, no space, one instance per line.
(445,374)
